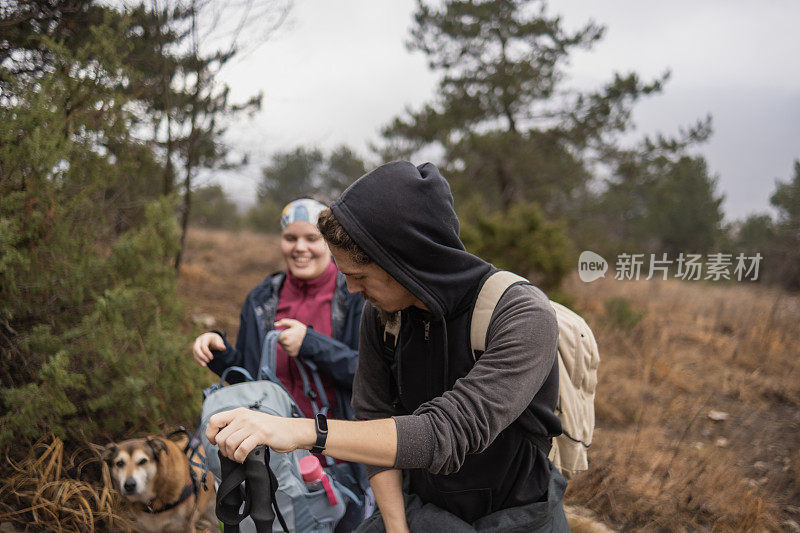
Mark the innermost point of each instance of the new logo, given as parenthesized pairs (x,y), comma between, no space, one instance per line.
(591,266)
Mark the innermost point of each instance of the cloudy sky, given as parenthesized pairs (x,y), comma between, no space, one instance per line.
(336,71)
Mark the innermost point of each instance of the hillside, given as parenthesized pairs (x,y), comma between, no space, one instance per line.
(698,401)
(697,408)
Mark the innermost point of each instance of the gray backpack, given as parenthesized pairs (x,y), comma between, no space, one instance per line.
(578,359)
(303,510)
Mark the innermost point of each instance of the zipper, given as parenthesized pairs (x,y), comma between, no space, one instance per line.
(427,324)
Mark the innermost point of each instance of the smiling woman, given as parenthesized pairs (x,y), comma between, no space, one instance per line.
(304,250)
(310,305)
(318,320)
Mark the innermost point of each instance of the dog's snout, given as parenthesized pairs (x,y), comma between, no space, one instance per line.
(129,485)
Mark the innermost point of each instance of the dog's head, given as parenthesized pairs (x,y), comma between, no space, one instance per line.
(133,465)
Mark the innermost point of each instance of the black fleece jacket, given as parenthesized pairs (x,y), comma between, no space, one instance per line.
(403,218)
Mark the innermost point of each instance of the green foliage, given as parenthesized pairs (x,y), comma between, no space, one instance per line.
(119,367)
(620,314)
(684,213)
(343,167)
(504,118)
(176,103)
(778,241)
(264,217)
(308,173)
(211,208)
(756,233)
(302,173)
(659,201)
(786,199)
(291,175)
(89,320)
(28,25)
(508,125)
(518,240)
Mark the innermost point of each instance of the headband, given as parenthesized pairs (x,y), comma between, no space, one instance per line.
(305,210)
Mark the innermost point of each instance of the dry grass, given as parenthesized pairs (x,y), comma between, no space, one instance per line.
(220,268)
(45,492)
(48,491)
(659,462)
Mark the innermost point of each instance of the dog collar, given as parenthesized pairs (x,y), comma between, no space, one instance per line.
(188,491)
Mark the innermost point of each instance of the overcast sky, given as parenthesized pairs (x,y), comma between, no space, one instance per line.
(337,71)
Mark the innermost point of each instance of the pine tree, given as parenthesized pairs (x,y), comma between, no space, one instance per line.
(641,197)
(786,199)
(502,116)
(684,213)
(303,173)
(291,174)
(90,342)
(213,208)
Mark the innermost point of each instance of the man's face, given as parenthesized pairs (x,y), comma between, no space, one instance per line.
(374,283)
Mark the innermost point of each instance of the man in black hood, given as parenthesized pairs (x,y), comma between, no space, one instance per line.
(471,431)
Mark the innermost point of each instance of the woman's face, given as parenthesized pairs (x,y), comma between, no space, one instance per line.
(304,250)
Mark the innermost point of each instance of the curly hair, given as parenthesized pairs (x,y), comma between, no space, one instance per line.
(336,236)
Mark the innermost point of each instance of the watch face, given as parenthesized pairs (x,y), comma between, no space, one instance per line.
(322,422)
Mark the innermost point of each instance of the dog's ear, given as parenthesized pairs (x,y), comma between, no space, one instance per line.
(182,441)
(158,446)
(109,452)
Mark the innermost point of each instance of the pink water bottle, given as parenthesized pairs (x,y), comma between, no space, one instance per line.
(315,477)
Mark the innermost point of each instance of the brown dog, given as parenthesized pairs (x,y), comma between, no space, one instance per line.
(166,493)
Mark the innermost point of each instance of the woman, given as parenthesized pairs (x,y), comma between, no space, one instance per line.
(318,319)
(310,303)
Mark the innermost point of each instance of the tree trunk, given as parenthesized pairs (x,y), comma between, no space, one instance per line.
(166,95)
(190,145)
(185,211)
(506,182)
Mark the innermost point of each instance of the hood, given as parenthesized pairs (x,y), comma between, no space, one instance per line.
(402,216)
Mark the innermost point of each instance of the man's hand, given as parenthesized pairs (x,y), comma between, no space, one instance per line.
(201,350)
(292,337)
(238,431)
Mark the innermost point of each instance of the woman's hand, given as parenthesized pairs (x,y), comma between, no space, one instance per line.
(201,350)
(292,337)
(238,431)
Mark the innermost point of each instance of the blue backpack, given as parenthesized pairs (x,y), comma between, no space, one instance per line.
(303,510)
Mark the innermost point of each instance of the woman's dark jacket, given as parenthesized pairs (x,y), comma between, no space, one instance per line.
(336,357)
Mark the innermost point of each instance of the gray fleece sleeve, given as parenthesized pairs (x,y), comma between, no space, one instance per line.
(372,382)
(520,350)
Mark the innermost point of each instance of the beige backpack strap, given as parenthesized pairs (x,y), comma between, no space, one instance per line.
(492,290)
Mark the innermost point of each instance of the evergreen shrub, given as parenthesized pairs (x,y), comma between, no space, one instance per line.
(91,347)
(518,240)
(619,313)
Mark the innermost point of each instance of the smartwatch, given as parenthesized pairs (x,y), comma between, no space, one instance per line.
(321,425)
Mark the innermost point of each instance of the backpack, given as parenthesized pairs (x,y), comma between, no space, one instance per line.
(578,359)
(302,509)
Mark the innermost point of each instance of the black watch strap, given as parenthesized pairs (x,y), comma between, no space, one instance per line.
(321,425)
